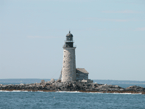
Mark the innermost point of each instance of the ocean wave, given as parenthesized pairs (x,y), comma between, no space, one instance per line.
(122,93)
(70,92)
(13,91)
(94,92)
(115,93)
(19,91)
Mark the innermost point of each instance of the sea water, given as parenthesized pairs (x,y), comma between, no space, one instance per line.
(70,100)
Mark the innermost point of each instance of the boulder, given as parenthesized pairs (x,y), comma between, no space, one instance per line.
(21,84)
(48,83)
(116,86)
(84,80)
(59,84)
(74,85)
(121,89)
(52,80)
(37,84)
(135,88)
(58,80)
(90,81)
(43,82)
(48,87)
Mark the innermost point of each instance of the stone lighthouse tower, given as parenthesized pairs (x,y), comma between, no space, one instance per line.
(69,64)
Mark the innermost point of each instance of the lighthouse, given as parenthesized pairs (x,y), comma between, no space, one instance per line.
(69,71)
(69,63)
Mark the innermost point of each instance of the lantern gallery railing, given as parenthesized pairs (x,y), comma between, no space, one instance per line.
(69,41)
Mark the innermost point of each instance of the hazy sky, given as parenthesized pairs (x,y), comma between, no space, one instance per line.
(109,35)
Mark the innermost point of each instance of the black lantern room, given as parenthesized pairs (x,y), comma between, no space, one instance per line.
(69,40)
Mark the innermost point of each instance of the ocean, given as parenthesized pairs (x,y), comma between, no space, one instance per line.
(68,100)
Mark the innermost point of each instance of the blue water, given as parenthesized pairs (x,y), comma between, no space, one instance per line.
(70,100)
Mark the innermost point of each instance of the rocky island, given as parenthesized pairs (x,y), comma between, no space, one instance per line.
(72,78)
(53,86)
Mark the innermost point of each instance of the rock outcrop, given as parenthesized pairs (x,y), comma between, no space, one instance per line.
(53,85)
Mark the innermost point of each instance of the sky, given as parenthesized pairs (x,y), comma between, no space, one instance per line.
(109,36)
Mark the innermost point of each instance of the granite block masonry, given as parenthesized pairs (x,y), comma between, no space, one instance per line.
(69,71)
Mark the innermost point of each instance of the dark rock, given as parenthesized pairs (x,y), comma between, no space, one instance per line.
(58,80)
(135,88)
(59,84)
(73,86)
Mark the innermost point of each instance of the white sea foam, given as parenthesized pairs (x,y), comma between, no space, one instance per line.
(13,91)
(39,91)
(93,92)
(126,93)
(19,91)
(115,93)
(69,92)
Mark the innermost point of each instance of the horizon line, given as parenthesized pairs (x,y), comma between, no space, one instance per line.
(56,79)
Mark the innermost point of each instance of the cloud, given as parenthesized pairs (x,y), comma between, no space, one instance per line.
(70,0)
(117,20)
(132,2)
(140,29)
(42,37)
(113,20)
(33,36)
(125,11)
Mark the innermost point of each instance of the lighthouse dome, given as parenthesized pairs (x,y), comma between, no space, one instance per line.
(69,35)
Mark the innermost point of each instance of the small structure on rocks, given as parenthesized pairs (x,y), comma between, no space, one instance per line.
(69,71)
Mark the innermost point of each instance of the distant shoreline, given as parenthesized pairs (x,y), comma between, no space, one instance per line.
(33,80)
